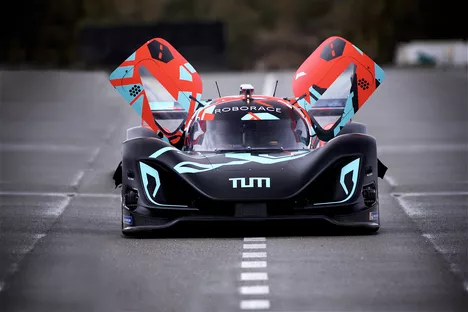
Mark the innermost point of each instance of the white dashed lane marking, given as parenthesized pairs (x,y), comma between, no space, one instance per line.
(449,239)
(253,288)
(254,276)
(77,178)
(20,239)
(254,246)
(253,264)
(390,180)
(254,239)
(254,255)
(46,207)
(64,195)
(255,304)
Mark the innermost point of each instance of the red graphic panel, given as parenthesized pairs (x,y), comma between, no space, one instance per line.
(158,61)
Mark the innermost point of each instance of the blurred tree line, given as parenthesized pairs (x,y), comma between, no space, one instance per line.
(260,33)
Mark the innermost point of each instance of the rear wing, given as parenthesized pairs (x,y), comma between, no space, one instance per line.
(160,85)
(338,71)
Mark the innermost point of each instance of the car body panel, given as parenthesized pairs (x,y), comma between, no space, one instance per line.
(332,177)
(155,62)
(323,68)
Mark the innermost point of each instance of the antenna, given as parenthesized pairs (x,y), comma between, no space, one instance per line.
(200,104)
(276,85)
(217,87)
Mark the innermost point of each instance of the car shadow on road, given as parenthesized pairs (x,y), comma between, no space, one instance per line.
(240,229)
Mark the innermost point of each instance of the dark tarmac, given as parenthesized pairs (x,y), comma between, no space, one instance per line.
(60,243)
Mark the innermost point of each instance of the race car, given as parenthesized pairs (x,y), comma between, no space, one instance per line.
(248,156)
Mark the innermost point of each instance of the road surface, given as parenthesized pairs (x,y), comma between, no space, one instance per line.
(60,242)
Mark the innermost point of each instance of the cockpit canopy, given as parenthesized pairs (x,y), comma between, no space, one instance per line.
(255,125)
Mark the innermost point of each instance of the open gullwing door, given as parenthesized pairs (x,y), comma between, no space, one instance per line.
(161,86)
(336,75)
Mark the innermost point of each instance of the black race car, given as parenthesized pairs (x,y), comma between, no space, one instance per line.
(248,156)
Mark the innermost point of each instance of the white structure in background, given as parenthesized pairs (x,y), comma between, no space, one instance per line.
(440,53)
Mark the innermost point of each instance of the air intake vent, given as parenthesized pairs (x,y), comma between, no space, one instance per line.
(370,194)
(130,198)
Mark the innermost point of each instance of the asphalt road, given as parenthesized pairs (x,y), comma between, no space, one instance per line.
(60,243)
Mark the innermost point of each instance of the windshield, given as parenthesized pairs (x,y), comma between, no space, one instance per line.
(236,134)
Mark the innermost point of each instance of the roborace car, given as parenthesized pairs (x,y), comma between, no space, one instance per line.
(248,156)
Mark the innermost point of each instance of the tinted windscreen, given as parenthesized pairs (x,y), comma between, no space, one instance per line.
(218,135)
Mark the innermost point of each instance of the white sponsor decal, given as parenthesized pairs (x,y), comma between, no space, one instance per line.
(252,182)
(300,74)
(247,108)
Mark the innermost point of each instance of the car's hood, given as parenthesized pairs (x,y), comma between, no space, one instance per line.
(241,175)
